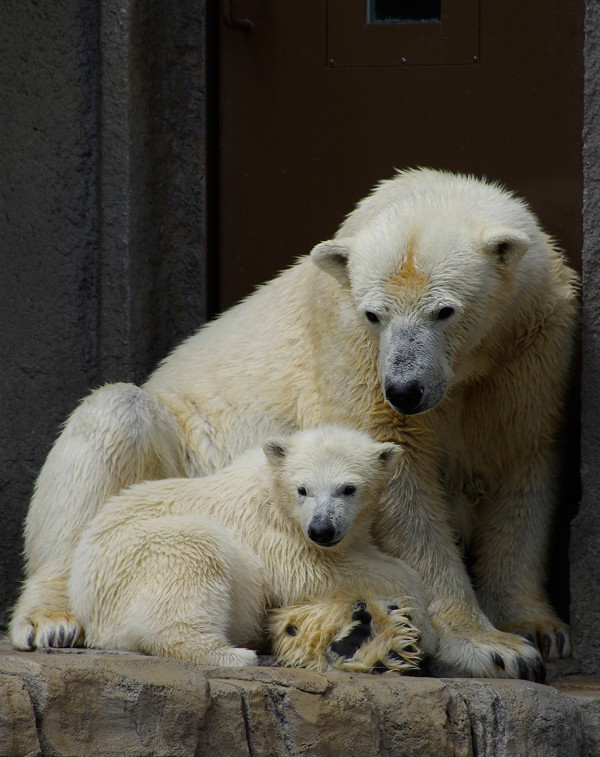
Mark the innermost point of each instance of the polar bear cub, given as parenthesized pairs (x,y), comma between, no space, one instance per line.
(188,568)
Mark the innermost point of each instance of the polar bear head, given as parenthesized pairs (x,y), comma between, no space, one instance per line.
(330,479)
(437,265)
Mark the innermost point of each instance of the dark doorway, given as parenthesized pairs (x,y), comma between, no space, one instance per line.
(317,104)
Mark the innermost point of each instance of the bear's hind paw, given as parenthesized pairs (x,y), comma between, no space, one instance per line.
(46,628)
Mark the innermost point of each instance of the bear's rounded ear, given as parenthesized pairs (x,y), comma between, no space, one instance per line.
(332,257)
(388,454)
(504,243)
(275,450)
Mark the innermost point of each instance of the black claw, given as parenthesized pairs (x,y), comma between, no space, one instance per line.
(379,668)
(70,638)
(539,672)
(547,641)
(498,660)
(61,637)
(523,670)
(539,642)
(529,637)
(291,630)
(360,613)
(51,639)
(562,643)
(30,638)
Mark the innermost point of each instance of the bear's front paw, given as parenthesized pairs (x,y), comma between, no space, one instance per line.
(492,654)
(370,636)
(550,636)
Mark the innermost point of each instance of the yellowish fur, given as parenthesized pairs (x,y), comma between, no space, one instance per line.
(319,622)
(480,459)
(188,568)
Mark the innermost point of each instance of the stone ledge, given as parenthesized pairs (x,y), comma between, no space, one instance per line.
(79,702)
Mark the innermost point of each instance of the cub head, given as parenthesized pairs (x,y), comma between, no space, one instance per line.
(330,479)
(436,264)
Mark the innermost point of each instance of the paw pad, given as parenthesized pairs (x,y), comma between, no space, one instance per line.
(359,633)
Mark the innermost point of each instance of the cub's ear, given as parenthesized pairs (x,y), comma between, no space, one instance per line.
(388,454)
(275,450)
(504,243)
(332,257)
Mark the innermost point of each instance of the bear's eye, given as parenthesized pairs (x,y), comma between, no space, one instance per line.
(444,313)
(301,491)
(371,316)
(348,490)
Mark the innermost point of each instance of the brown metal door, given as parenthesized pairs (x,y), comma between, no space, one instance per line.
(319,99)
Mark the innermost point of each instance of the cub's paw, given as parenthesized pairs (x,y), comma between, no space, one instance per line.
(365,636)
(378,639)
(46,627)
(550,636)
(224,657)
(493,654)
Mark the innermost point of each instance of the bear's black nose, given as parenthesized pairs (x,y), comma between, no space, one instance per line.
(322,532)
(406,396)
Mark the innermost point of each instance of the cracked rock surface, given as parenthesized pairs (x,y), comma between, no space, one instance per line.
(80,702)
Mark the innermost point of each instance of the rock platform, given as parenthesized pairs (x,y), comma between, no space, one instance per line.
(83,702)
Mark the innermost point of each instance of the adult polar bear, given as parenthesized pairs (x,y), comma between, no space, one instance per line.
(440,316)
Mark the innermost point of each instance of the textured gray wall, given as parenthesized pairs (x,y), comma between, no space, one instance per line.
(48,239)
(585,535)
(101,208)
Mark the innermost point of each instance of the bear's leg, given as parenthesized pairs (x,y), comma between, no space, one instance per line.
(469,644)
(117,436)
(191,614)
(510,560)
(167,586)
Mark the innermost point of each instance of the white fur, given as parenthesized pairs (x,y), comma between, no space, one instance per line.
(188,568)
(480,458)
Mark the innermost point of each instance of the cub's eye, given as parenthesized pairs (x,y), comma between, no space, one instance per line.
(370,315)
(349,490)
(301,491)
(444,313)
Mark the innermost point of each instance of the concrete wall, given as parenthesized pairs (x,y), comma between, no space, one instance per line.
(102,227)
(585,535)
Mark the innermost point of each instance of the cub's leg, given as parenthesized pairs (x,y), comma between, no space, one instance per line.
(179,586)
(117,436)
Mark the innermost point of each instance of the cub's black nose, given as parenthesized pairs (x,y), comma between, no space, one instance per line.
(322,532)
(405,396)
